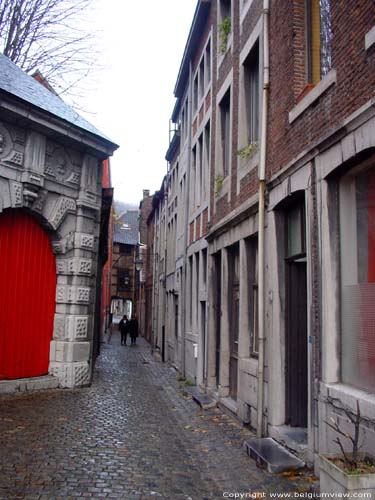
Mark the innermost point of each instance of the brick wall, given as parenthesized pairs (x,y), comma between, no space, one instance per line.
(355,76)
(249,184)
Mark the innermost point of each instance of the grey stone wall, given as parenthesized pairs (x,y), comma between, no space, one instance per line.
(60,185)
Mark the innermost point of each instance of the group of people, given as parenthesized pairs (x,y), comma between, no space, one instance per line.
(128,326)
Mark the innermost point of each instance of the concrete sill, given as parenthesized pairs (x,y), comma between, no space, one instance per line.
(319,89)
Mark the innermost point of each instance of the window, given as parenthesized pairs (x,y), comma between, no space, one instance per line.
(224,24)
(318,39)
(251,84)
(183,129)
(200,175)
(201,80)
(357,248)
(295,220)
(207,61)
(123,281)
(190,291)
(224,110)
(195,94)
(206,159)
(252,256)
(193,178)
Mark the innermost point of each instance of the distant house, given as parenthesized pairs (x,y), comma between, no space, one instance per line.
(125,244)
(107,229)
(51,235)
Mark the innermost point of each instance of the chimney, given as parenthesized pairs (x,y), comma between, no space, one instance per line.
(146,193)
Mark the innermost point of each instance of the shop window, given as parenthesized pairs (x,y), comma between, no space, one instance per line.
(357,249)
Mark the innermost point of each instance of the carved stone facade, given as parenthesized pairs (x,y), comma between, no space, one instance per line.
(55,175)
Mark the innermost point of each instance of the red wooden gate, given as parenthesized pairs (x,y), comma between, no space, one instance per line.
(27,296)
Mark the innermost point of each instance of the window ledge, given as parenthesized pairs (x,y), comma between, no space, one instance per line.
(349,396)
(370,38)
(319,89)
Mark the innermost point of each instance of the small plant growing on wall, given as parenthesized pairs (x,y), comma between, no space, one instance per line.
(219,180)
(225,28)
(248,150)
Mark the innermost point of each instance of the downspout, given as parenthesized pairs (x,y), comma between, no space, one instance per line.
(261,219)
(186,232)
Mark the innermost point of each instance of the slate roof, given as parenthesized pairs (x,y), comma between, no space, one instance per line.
(18,83)
(126,228)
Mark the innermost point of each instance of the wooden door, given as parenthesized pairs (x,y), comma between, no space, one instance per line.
(296,317)
(233,341)
(27,296)
(217,284)
(297,345)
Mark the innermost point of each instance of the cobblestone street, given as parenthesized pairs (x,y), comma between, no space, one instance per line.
(134,434)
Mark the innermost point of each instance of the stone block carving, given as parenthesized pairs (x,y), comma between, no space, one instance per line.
(16,194)
(74,178)
(40,201)
(59,327)
(57,163)
(6,143)
(74,266)
(70,327)
(61,294)
(84,266)
(71,374)
(81,327)
(64,245)
(60,265)
(62,207)
(84,241)
(70,294)
(83,294)
(62,371)
(77,326)
(69,352)
(10,152)
(81,374)
(57,247)
(16,158)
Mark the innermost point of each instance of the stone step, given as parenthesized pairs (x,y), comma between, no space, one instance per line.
(203,400)
(29,384)
(270,454)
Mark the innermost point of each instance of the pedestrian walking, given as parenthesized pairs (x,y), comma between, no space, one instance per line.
(133,329)
(124,328)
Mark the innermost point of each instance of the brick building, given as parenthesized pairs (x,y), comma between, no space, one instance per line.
(125,250)
(269,236)
(145,208)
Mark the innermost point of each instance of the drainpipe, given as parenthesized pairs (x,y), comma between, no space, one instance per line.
(261,217)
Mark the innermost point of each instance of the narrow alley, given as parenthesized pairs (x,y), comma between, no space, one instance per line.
(134,434)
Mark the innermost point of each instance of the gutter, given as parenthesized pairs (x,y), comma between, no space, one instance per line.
(261,216)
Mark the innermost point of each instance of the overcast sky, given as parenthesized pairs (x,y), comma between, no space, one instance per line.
(142,43)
